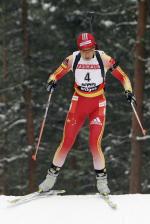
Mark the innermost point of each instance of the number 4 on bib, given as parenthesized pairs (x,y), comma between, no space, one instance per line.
(87,77)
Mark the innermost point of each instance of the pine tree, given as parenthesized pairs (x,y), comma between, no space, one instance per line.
(139,77)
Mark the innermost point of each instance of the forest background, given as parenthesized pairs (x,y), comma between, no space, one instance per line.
(36,36)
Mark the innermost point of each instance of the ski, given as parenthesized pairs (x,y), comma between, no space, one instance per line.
(109,202)
(34,195)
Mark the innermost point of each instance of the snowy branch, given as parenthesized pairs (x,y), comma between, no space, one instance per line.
(21,121)
(139,138)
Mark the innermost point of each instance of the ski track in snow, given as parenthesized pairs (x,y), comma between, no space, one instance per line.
(76,209)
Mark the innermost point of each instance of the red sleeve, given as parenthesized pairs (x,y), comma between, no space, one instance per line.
(112,65)
(61,70)
(122,77)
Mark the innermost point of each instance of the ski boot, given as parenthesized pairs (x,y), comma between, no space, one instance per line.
(50,179)
(102,184)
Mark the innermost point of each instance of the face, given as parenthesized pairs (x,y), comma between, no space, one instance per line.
(87,53)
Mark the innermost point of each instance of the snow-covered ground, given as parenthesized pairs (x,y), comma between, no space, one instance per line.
(87,209)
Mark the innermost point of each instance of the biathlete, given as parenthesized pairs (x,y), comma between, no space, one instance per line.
(89,66)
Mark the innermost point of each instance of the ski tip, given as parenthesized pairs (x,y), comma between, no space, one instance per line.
(34,157)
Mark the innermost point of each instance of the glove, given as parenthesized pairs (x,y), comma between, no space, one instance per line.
(51,85)
(130,96)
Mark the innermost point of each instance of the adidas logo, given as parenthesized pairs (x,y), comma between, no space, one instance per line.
(96,121)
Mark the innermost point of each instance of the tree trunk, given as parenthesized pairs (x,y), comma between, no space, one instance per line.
(4,44)
(136,146)
(30,136)
(5,62)
(28,96)
(3,97)
(25,31)
(29,115)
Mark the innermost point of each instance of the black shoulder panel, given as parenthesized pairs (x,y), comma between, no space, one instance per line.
(77,59)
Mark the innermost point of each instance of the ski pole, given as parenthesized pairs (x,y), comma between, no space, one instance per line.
(138,119)
(42,127)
